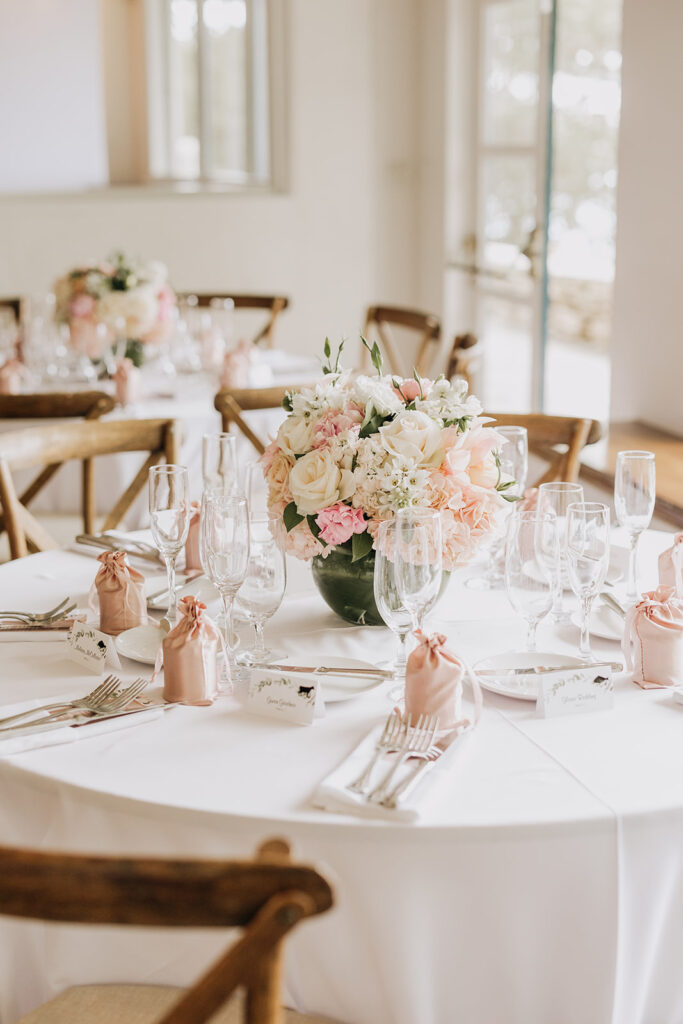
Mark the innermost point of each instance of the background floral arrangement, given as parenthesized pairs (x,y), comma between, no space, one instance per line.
(356,449)
(133,298)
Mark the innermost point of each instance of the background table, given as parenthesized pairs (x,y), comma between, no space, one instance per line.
(544,882)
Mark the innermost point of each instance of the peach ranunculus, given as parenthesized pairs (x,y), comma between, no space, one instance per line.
(458,545)
(277,477)
(481,511)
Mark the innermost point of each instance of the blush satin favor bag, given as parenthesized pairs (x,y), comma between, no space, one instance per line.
(190,652)
(434,683)
(653,639)
(671,566)
(192,559)
(121,592)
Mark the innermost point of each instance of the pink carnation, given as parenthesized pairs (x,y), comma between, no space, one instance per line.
(339,522)
(336,422)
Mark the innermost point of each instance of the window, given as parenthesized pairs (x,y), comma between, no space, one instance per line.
(208,82)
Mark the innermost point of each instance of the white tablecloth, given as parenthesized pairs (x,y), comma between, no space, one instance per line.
(544,885)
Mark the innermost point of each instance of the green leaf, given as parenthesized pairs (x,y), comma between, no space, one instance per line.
(290,517)
(375,354)
(417,377)
(339,352)
(315,530)
(327,348)
(287,402)
(506,486)
(372,425)
(361,545)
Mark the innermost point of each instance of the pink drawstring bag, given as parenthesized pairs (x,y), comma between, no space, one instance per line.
(126,382)
(121,590)
(653,639)
(192,559)
(12,375)
(434,684)
(190,652)
(235,371)
(671,566)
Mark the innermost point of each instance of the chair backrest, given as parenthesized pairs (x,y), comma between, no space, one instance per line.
(556,439)
(57,443)
(265,897)
(427,328)
(15,304)
(272,305)
(464,358)
(232,402)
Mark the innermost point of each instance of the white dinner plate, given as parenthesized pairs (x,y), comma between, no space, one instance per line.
(140,644)
(338,688)
(520,687)
(605,622)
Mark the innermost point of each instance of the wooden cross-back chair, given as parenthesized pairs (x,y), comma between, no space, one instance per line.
(44,446)
(464,358)
(233,402)
(89,405)
(427,328)
(272,305)
(556,439)
(265,897)
(14,303)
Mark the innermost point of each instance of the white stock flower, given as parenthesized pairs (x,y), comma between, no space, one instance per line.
(448,402)
(316,481)
(295,435)
(413,437)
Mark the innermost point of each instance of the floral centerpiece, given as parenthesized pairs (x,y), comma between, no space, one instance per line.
(128,298)
(356,449)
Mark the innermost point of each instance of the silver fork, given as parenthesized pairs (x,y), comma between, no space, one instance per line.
(37,621)
(391,736)
(418,740)
(108,707)
(91,702)
(40,616)
(402,788)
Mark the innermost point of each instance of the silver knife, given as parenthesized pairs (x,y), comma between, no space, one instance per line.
(111,545)
(540,670)
(322,670)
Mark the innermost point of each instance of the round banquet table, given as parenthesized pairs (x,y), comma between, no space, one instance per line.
(542,883)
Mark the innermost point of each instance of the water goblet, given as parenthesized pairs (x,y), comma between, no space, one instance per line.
(224,546)
(263,589)
(634,503)
(169,511)
(219,464)
(587,559)
(418,561)
(553,498)
(530,555)
(387,598)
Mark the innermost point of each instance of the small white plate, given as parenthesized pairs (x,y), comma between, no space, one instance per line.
(140,644)
(605,623)
(339,688)
(520,687)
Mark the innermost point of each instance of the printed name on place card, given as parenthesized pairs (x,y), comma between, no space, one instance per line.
(575,692)
(91,648)
(291,697)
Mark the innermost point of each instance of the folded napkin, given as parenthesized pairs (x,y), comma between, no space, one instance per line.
(332,795)
(47,631)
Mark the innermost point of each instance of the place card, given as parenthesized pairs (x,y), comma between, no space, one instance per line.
(575,691)
(291,697)
(91,648)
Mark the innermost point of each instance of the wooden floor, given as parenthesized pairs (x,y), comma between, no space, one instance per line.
(599,462)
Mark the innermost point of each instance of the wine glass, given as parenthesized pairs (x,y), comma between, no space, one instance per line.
(417,561)
(530,556)
(219,464)
(587,559)
(553,498)
(387,598)
(634,502)
(169,510)
(224,544)
(261,594)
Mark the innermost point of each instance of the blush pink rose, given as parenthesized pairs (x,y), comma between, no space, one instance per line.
(481,510)
(339,522)
(409,389)
(82,305)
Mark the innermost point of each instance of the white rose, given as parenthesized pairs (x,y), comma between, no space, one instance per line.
(415,437)
(295,435)
(316,481)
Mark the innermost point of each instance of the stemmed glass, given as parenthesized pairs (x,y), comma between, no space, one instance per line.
(261,593)
(530,555)
(634,502)
(587,559)
(553,498)
(219,464)
(224,545)
(169,510)
(418,561)
(387,598)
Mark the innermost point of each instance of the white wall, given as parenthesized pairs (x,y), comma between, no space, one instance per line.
(343,235)
(647,350)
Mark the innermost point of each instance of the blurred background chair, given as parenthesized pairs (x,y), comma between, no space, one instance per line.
(464,359)
(417,347)
(232,403)
(557,440)
(271,305)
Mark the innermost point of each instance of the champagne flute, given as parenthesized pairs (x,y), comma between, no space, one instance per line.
(553,498)
(387,598)
(169,510)
(219,463)
(634,503)
(530,555)
(418,561)
(224,541)
(587,559)
(261,594)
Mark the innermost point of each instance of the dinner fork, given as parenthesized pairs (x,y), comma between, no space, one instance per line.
(401,789)
(110,706)
(31,620)
(40,616)
(418,740)
(92,701)
(392,736)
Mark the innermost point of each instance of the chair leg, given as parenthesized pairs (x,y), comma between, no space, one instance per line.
(88,495)
(264,993)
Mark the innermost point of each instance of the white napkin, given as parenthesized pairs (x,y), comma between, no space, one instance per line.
(20,742)
(332,794)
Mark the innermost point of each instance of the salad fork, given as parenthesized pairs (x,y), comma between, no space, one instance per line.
(417,741)
(91,702)
(392,736)
(57,612)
